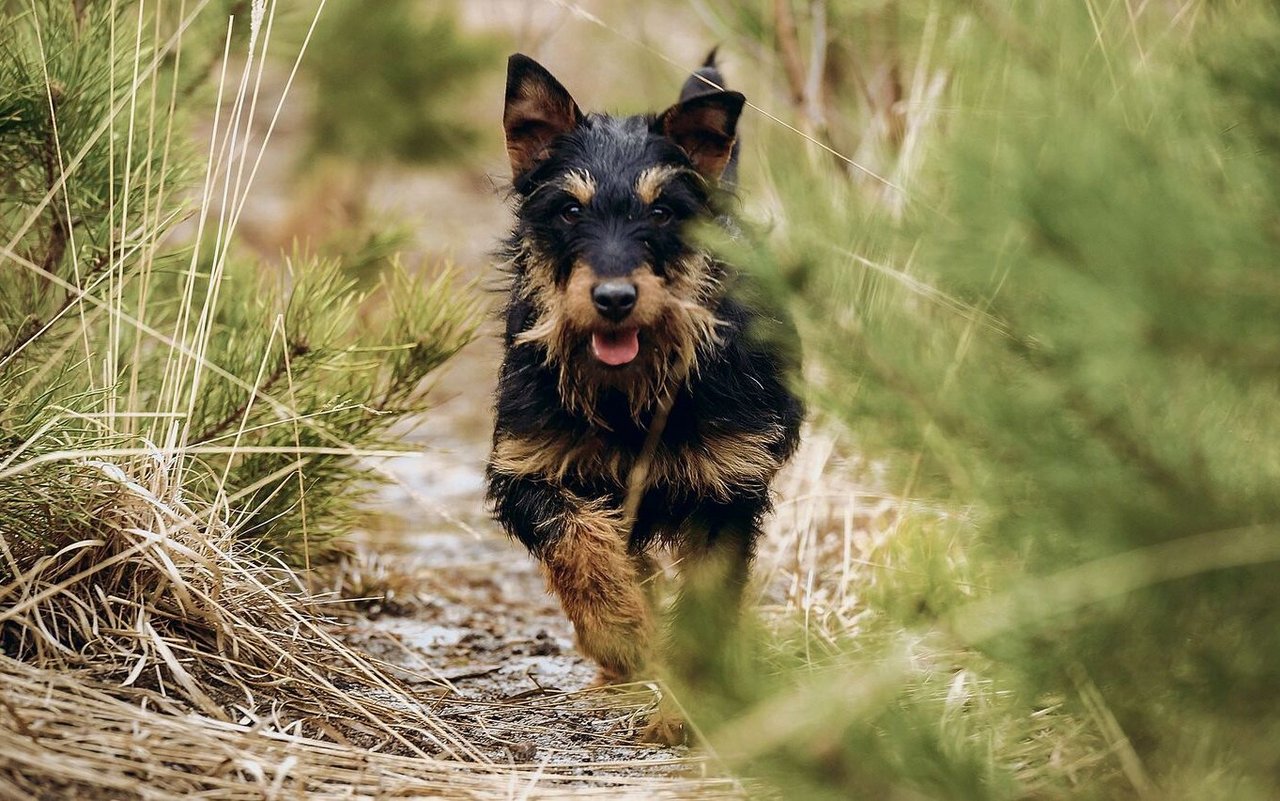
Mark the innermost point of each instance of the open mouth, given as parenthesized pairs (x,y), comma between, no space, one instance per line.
(616,348)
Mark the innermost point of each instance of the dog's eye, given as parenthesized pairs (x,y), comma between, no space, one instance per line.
(661,215)
(571,213)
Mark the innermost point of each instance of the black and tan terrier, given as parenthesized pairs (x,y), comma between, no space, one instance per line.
(637,406)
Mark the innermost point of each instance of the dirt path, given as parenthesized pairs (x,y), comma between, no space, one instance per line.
(481,632)
(467,616)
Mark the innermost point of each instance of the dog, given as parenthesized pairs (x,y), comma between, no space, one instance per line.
(638,405)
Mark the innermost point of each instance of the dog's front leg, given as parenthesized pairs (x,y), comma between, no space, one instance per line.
(598,584)
(582,545)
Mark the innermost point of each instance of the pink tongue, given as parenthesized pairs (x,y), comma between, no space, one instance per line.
(616,347)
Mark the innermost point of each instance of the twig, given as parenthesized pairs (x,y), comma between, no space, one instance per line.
(532,693)
(59,228)
(1120,743)
(33,326)
(806,85)
(814,96)
(471,673)
(296,349)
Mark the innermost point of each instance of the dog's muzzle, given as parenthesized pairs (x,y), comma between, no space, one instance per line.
(614,300)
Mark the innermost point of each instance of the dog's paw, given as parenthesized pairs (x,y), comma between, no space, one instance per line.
(665,727)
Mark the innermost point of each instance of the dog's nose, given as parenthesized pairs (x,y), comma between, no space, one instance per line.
(614,299)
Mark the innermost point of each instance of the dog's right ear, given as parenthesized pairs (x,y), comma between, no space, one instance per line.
(538,110)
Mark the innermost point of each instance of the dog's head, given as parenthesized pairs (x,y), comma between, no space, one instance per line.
(623,296)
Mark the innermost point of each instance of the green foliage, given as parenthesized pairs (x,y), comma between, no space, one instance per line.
(137,349)
(391,86)
(57,63)
(330,381)
(1069,324)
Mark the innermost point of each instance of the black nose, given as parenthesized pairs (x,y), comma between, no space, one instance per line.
(614,299)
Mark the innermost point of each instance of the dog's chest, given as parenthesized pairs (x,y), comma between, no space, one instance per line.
(702,462)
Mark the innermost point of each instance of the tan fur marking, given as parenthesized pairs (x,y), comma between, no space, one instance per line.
(539,273)
(596,580)
(581,185)
(555,458)
(652,298)
(717,465)
(579,310)
(721,464)
(649,184)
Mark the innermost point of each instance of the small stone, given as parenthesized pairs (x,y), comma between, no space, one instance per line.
(544,645)
(523,751)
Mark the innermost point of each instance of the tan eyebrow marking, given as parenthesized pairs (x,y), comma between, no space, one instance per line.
(649,184)
(581,185)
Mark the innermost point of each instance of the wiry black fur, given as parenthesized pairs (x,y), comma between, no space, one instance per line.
(740,385)
(614,150)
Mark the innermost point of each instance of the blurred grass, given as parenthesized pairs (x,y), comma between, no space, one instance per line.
(1057,323)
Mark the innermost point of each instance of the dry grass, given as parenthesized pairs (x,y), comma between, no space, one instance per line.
(70,737)
(167,604)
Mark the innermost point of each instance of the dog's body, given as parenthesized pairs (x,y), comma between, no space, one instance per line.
(636,404)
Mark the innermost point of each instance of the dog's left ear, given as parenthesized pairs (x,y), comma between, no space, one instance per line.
(705,127)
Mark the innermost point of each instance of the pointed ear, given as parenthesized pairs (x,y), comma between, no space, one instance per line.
(538,110)
(705,127)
